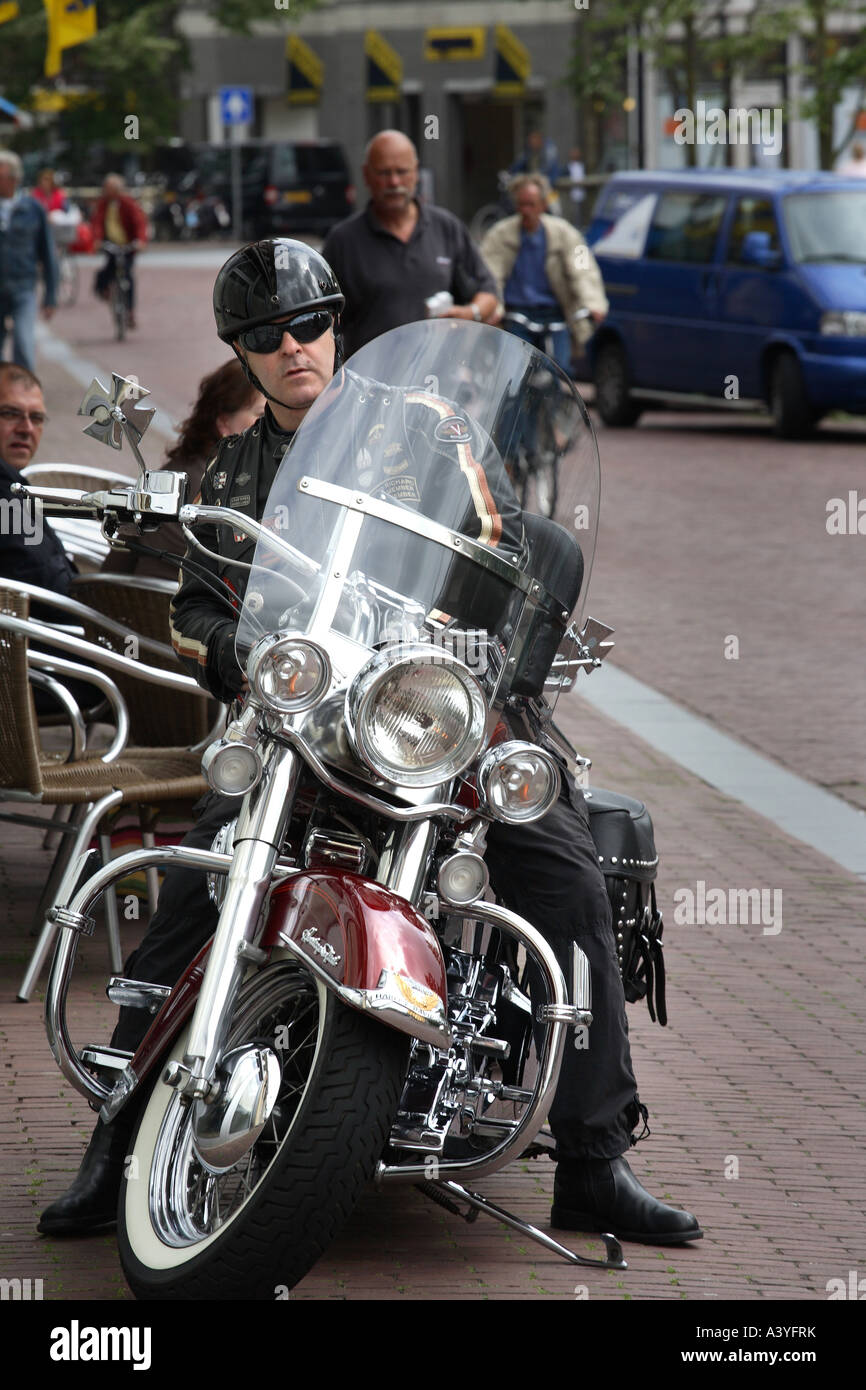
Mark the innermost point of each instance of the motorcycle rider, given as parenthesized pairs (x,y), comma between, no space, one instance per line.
(277,303)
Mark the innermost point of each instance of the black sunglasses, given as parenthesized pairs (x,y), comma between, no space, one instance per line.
(266,337)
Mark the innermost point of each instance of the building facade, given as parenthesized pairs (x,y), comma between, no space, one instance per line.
(467,81)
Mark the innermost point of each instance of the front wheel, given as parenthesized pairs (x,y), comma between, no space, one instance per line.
(67,290)
(793,416)
(186,1232)
(545,483)
(613,398)
(118,309)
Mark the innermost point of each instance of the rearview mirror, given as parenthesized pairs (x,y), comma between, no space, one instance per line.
(758,250)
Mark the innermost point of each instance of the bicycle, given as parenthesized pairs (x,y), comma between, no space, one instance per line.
(120,288)
(64,229)
(538,446)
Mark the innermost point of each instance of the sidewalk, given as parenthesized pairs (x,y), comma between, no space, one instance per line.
(755,1091)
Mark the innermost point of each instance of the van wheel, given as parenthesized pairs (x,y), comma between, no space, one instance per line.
(613,398)
(793,416)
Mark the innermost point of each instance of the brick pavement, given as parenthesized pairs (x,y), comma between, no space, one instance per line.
(761,1063)
(712,528)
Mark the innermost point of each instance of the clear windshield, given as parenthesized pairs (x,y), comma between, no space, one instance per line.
(827,227)
(410,443)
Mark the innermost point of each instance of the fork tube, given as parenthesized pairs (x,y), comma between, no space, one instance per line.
(258,839)
(405,862)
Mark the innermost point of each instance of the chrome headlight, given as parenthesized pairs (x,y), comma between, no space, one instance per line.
(416,715)
(847,323)
(518,781)
(288,674)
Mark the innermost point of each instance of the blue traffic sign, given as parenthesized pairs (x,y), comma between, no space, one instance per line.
(236,105)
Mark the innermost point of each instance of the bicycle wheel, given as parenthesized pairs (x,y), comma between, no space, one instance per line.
(546,478)
(67,291)
(118,309)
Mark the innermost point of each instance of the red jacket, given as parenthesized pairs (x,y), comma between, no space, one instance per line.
(131,216)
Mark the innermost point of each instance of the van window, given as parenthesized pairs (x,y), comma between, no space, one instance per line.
(751,215)
(627,233)
(685,227)
(827,226)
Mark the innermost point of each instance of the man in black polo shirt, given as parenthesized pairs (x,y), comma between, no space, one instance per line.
(398,252)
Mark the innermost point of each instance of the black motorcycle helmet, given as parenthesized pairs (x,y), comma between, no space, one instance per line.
(269,279)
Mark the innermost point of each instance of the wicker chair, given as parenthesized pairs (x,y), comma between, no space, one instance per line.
(94,785)
(140,607)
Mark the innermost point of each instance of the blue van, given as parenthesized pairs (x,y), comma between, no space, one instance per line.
(732,289)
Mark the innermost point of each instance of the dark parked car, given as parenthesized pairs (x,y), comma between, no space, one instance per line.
(732,287)
(287,186)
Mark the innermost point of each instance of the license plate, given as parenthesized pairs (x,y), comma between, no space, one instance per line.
(299,195)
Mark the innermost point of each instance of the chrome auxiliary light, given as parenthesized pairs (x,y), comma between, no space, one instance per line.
(416,715)
(462,878)
(231,767)
(518,782)
(288,674)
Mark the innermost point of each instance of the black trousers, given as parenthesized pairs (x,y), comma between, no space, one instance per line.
(548,873)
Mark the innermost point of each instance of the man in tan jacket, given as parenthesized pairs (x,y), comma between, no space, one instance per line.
(545,270)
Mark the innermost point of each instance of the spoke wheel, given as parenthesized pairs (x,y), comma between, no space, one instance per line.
(185,1232)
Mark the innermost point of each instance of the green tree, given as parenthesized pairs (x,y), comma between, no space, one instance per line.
(132,66)
(693,44)
(834,62)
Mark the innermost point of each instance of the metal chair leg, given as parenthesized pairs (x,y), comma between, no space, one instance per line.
(152,874)
(61,816)
(109,903)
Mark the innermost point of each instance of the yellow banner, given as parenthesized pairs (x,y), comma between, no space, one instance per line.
(448,44)
(69,22)
(513,63)
(306,72)
(384,68)
(8,10)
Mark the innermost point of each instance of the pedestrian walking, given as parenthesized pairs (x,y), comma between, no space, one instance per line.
(26,248)
(577,172)
(399,252)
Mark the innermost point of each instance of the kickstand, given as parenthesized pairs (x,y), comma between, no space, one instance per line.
(443,1192)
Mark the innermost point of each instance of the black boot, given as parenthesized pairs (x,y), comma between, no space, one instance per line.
(603,1194)
(92,1199)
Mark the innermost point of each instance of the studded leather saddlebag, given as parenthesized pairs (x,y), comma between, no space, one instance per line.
(623,834)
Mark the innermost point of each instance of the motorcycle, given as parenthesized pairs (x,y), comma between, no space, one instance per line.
(364,1010)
